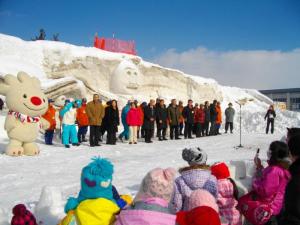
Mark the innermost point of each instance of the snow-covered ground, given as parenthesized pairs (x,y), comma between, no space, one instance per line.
(22,179)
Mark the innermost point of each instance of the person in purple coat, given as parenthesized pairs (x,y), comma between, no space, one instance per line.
(196,176)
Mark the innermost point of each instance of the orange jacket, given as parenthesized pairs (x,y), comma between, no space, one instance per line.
(141,111)
(50,117)
(219,115)
(181,119)
(82,117)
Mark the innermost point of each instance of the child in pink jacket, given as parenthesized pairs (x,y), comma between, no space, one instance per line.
(150,205)
(133,120)
(227,194)
(270,182)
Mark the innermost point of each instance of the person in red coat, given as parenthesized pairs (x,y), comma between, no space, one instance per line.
(83,121)
(133,120)
(50,117)
(200,121)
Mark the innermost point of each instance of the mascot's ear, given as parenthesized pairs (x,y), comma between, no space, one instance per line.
(23,77)
(4,88)
(9,82)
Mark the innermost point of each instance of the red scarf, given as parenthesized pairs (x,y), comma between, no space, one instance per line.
(24,118)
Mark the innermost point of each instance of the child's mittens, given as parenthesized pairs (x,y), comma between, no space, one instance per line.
(72,203)
(121,203)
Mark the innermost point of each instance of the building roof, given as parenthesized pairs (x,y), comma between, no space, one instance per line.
(277,91)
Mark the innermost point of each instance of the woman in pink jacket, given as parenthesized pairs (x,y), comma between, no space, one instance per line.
(270,182)
(133,120)
(150,205)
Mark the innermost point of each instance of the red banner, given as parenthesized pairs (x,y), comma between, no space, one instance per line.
(115,45)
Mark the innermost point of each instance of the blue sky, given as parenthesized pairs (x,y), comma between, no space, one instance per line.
(158,26)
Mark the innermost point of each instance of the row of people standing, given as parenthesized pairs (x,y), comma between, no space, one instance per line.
(135,119)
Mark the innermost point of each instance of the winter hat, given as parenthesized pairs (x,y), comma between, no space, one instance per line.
(220,170)
(157,183)
(202,215)
(50,100)
(22,216)
(202,197)
(194,156)
(96,179)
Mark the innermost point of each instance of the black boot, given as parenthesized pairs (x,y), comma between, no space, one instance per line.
(83,138)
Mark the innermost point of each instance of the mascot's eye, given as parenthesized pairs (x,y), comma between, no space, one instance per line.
(90,183)
(44,100)
(24,96)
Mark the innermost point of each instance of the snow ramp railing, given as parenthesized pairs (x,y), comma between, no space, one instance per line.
(115,45)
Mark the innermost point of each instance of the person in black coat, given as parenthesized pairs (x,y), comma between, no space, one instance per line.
(156,107)
(162,117)
(149,120)
(112,122)
(213,117)
(207,118)
(291,207)
(188,115)
(270,116)
(1,104)
(105,121)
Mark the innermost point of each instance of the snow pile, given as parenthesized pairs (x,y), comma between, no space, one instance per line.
(50,207)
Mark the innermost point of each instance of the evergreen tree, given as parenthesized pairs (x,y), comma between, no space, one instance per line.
(55,37)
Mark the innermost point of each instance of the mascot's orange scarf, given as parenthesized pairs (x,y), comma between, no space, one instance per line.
(24,118)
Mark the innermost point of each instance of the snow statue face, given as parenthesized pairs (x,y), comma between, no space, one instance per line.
(126,79)
(60,101)
(24,94)
(96,179)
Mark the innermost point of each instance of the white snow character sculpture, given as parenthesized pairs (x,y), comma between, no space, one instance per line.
(126,79)
(26,103)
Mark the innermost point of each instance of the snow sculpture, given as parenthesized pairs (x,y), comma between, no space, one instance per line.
(26,103)
(126,79)
(50,207)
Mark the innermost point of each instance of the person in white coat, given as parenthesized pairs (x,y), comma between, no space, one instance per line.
(68,115)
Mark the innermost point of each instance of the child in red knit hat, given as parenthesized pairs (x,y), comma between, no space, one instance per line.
(22,216)
(227,194)
(202,210)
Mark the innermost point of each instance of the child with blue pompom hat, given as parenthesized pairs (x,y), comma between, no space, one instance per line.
(98,200)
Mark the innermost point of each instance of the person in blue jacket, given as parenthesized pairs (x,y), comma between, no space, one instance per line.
(124,113)
(68,115)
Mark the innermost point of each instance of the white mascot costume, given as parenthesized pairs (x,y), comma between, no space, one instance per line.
(26,103)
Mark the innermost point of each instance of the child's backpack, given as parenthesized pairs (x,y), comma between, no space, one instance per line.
(255,211)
